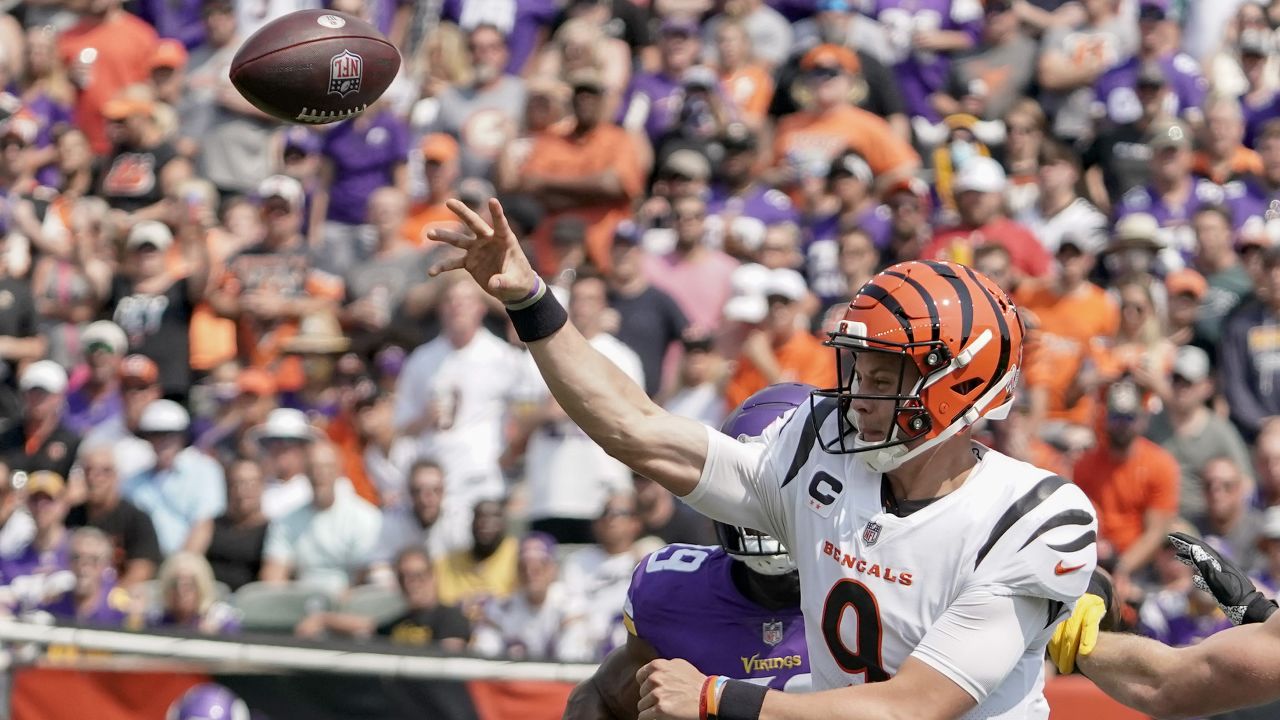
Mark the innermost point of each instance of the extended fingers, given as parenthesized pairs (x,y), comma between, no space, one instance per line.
(444,266)
(500,224)
(457,239)
(468,216)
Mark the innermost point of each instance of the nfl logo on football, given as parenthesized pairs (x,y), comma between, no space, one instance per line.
(871,533)
(773,633)
(345,71)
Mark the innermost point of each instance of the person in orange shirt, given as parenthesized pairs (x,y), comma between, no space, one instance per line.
(593,172)
(831,125)
(744,81)
(798,356)
(106,51)
(441,169)
(1068,319)
(1132,482)
(1224,156)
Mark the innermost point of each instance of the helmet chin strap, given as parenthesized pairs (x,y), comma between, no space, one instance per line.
(772,565)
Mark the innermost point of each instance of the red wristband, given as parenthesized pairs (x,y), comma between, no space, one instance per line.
(702,696)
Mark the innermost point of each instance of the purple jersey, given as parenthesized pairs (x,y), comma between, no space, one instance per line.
(519,21)
(37,562)
(1175,221)
(1116,88)
(765,204)
(181,20)
(111,609)
(683,602)
(50,117)
(83,414)
(822,251)
(921,73)
(364,159)
(1256,115)
(655,98)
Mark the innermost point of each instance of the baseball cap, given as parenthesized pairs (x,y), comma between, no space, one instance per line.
(627,234)
(737,136)
(283,187)
(852,165)
(787,283)
(139,368)
(1136,229)
(1123,400)
(106,335)
(1191,363)
(1186,281)
(149,232)
(1153,9)
(439,147)
(44,375)
(255,381)
(1167,134)
(45,482)
(538,544)
(163,416)
(301,139)
(981,174)
(1089,243)
(169,54)
(679,26)
(285,424)
(689,163)
(828,55)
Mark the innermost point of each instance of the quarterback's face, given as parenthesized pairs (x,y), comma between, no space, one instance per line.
(878,379)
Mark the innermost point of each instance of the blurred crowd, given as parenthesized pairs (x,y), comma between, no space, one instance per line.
(225,371)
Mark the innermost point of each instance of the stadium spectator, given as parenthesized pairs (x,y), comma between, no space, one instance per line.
(248,404)
(1193,433)
(577,45)
(667,518)
(426,622)
(979,188)
(1224,157)
(136,551)
(96,398)
(183,490)
(649,320)
(1247,355)
(50,546)
(1118,159)
(857,261)
(329,541)
(567,475)
(1229,518)
(600,574)
(16,526)
(1059,212)
(696,276)
(744,70)
(1139,348)
(139,387)
(487,569)
(189,598)
(700,379)
(452,395)
(1132,482)
(1226,283)
(1073,58)
(387,458)
(1176,613)
(88,594)
(540,620)
(998,71)
(234,550)
(1184,289)
(847,202)
(441,170)
(20,340)
(419,521)
(38,438)
(484,115)
(797,355)
(151,305)
(319,343)
(1157,34)
(131,178)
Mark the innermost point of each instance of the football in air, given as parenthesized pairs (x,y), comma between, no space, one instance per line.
(314,67)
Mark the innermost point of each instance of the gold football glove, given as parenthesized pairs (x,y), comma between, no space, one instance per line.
(1077,635)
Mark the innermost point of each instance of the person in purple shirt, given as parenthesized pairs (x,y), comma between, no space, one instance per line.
(1116,88)
(656,100)
(96,399)
(524,23)
(88,593)
(850,203)
(360,156)
(738,192)
(181,20)
(924,34)
(732,610)
(49,551)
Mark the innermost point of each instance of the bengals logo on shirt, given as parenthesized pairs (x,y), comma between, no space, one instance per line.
(130,175)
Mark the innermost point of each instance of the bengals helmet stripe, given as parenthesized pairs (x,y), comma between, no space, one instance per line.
(1005,343)
(924,295)
(871,289)
(966,300)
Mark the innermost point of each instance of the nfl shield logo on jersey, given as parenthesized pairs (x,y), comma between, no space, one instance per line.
(773,633)
(345,70)
(871,533)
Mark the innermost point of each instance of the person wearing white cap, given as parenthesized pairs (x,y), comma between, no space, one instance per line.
(39,438)
(150,303)
(97,399)
(1193,433)
(800,356)
(183,491)
(283,440)
(979,189)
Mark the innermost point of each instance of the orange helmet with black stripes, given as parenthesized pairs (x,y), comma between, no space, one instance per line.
(959,331)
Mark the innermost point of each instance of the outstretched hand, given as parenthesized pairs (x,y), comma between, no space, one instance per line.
(492,255)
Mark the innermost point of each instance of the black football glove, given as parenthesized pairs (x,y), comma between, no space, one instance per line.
(1228,584)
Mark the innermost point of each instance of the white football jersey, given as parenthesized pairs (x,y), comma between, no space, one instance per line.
(874,584)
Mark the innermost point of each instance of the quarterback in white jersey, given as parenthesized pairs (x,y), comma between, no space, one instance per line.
(932,570)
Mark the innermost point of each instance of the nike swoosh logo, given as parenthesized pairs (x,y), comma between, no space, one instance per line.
(1060,570)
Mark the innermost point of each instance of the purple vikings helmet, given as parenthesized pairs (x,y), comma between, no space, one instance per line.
(761,553)
(208,701)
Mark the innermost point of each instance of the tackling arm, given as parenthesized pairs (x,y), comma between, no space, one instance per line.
(1235,668)
(612,693)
